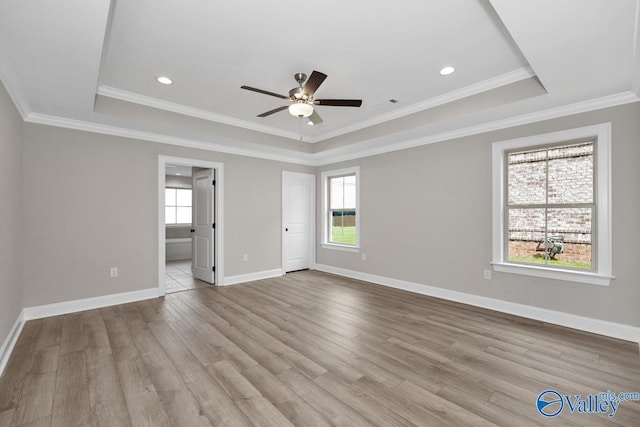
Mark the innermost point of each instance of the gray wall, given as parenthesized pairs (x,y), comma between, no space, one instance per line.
(91,203)
(443,238)
(178,181)
(10,214)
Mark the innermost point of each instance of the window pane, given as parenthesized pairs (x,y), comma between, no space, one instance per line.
(184,215)
(350,192)
(335,232)
(573,227)
(527,177)
(336,192)
(526,231)
(169,215)
(183,198)
(169,196)
(343,227)
(571,174)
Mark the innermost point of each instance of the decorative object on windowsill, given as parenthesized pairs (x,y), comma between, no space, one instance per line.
(302,100)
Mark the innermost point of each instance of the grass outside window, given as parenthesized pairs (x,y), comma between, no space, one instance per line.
(343,235)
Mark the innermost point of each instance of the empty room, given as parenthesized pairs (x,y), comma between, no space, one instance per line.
(339,213)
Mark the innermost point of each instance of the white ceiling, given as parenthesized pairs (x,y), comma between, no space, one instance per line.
(91,64)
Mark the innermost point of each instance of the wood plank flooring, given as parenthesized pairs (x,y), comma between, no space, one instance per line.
(307,349)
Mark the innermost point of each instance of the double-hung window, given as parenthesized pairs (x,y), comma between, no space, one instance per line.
(341,209)
(177,206)
(552,205)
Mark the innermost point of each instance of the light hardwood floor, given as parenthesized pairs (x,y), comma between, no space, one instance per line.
(308,349)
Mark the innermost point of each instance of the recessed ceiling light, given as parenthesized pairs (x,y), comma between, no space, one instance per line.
(447,70)
(178,173)
(310,123)
(164,80)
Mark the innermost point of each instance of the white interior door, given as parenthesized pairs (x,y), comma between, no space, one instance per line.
(298,221)
(203,213)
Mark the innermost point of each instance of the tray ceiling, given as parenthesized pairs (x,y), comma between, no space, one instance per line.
(95,63)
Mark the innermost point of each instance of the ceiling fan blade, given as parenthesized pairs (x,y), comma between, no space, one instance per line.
(315,118)
(313,83)
(275,110)
(339,102)
(266,92)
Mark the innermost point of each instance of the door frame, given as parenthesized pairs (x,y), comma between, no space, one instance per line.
(312,219)
(163,161)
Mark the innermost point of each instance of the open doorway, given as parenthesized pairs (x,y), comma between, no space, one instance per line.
(190,224)
(178,218)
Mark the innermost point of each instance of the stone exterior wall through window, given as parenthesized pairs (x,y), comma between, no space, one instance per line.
(557,175)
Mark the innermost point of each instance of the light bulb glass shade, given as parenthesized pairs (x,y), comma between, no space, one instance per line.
(301,109)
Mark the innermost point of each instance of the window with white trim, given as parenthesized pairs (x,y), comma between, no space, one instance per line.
(552,205)
(340,189)
(177,206)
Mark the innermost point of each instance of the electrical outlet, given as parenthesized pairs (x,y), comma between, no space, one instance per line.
(245,257)
(114,272)
(364,256)
(487,274)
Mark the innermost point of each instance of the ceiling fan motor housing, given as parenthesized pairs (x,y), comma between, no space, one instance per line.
(295,93)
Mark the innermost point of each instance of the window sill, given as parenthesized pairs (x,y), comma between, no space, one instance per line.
(552,273)
(337,247)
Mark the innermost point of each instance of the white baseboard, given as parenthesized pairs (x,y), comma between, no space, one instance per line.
(596,326)
(249,277)
(74,306)
(10,341)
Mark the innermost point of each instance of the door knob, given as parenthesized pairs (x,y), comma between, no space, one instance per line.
(286,229)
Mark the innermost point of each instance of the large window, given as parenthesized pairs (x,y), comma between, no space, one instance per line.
(340,204)
(551,205)
(177,206)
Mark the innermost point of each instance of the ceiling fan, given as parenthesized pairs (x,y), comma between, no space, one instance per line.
(301,98)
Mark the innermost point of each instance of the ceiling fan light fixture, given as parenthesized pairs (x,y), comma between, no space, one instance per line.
(301,109)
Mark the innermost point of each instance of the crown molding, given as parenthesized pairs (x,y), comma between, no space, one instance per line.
(11,84)
(350,152)
(455,95)
(148,101)
(279,155)
(474,89)
(355,151)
